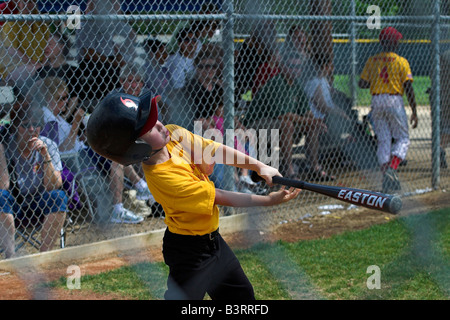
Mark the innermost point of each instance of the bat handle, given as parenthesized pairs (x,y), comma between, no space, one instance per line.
(279,180)
(288,182)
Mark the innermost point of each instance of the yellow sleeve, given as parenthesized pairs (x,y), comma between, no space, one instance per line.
(407,73)
(365,74)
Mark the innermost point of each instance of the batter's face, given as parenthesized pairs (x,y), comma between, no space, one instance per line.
(157,137)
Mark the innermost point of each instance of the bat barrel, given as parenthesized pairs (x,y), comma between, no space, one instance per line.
(360,197)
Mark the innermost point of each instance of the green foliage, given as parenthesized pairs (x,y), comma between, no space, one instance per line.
(387,7)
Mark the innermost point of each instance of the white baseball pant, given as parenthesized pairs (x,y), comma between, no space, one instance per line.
(389,121)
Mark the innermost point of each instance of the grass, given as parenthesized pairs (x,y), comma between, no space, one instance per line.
(142,281)
(420,85)
(339,265)
(412,254)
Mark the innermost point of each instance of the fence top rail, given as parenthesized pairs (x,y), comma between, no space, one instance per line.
(224,16)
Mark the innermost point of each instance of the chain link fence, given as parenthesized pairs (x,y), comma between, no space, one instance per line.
(306,86)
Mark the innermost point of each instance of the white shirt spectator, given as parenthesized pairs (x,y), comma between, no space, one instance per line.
(181,69)
(310,89)
(63,131)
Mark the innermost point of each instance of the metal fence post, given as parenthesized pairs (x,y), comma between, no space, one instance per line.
(228,85)
(435,103)
(353,84)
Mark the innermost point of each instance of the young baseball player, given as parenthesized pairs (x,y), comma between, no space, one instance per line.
(176,163)
(389,76)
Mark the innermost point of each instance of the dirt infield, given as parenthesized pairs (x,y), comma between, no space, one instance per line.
(23,285)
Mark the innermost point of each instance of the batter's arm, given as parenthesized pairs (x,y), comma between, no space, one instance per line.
(235,158)
(237,199)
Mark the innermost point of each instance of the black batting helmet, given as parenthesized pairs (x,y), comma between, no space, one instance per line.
(117,122)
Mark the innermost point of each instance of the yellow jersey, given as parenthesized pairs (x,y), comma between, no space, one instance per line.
(183,190)
(387,72)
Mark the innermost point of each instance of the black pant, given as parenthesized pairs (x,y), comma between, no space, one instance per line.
(199,265)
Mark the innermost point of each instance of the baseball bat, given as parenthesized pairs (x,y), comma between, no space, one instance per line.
(360,197)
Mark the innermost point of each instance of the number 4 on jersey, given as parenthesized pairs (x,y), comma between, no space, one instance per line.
(384,75)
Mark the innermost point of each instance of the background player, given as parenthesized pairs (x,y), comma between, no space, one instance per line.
(176,164)
(388,76)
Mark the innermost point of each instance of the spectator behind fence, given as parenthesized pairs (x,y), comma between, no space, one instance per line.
(282,104)
(319,91)
(205,91)
(180,66)
(330,105)
(255,51)
(22,45)
(100,57)
(266,71)
(55,95)
(297,39)
(30,179)
(205,94)
(157,75)
(56,65)
(181,63)
(204,29)
(388,76)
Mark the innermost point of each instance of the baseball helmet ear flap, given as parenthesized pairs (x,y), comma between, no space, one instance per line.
(137,152)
